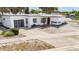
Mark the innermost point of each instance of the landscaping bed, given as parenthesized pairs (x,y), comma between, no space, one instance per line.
(28,45)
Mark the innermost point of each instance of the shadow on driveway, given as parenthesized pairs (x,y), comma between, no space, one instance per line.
(2,28)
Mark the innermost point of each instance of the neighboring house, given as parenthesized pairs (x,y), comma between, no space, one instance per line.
(72,16)
(28,20)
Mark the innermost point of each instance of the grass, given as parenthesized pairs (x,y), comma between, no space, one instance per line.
(28,45)
(77,17)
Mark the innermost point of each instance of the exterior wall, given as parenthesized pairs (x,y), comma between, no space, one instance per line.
(12,18)
(6,21)
(30,20)
(0,20)
(38,21)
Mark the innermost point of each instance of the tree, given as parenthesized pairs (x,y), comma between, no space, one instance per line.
(77,15)
(4,10)
(27,10)
(14,10)
(35,11)
(49,9)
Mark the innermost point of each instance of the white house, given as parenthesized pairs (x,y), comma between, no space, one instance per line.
(27,20)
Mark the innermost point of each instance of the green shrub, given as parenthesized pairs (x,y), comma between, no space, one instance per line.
(2,33)
(15,31)
(8,34)
(77,17)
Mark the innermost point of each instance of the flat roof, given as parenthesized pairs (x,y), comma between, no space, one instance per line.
(33,15)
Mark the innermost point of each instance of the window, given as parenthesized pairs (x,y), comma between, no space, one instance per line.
(34,20)
(43,20)
(26,21)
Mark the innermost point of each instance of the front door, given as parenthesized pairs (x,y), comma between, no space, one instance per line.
(48,21)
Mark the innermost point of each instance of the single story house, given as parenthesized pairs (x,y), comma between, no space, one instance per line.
(27,20)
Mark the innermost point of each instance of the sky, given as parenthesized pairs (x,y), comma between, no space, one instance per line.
(62,8)
(68,8)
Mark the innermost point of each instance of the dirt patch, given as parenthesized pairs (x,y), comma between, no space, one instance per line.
(28,45)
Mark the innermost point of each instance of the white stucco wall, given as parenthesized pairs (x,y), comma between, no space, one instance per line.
(9,20)
(12,18)
(38,20)
(6,21)
(30,20)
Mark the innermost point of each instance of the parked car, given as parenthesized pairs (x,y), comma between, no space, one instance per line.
(57,22)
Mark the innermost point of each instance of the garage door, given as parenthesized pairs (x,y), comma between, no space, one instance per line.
(19,23)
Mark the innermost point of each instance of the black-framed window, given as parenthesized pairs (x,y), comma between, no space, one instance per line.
(34,20)
(43,20)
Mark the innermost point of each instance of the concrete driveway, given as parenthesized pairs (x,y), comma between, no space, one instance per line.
(56,39)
